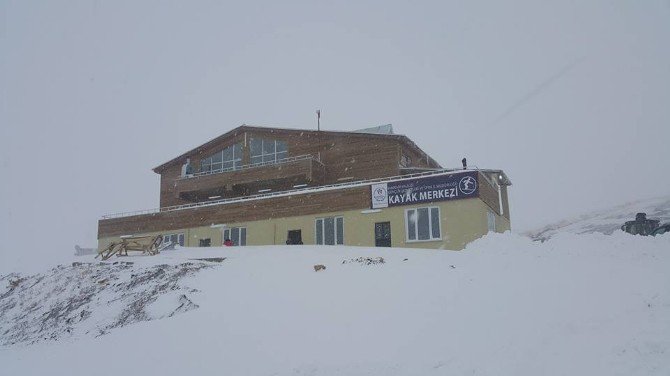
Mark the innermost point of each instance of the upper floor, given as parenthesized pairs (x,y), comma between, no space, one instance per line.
(249,160)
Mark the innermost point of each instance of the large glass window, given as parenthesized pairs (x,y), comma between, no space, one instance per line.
(423,224)
(238,235)
(263,150)
(229,158)
(330,231)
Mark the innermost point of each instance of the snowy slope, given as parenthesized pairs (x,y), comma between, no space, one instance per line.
(607,221)
(573,305)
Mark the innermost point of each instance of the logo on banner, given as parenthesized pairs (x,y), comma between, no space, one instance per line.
(467,185)
(380,196)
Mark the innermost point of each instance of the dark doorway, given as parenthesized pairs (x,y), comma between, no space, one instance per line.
(383,234)
(294,237)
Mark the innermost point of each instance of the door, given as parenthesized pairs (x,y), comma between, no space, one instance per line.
(383,234)
(294,237)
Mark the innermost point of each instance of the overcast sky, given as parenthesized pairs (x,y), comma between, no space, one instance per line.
(570,98)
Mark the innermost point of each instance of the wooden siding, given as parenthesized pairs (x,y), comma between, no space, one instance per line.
(278,207)
(167,190)
(346,156)
(419,160)
(295,172)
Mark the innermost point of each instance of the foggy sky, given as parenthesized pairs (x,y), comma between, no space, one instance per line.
(570,99)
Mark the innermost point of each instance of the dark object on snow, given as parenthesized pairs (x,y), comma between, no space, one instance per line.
(365,260)
(662,229)
(641,225)
(465,163)
(211,259)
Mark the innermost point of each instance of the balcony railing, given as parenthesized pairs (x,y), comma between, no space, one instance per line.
(253,165)
(287,193)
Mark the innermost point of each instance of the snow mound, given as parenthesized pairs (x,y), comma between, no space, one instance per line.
(590,304)
(91,299)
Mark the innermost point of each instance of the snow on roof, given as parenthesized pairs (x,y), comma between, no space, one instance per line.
(382,129)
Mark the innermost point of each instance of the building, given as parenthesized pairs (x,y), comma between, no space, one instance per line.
(263,186)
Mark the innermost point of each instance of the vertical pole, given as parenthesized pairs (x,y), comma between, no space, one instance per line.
(500,198)
(318,120)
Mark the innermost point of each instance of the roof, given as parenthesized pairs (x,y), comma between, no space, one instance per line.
(250,128)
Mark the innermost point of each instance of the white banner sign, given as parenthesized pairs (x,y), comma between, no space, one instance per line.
(380,197)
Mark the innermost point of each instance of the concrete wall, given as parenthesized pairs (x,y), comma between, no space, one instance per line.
(462,221)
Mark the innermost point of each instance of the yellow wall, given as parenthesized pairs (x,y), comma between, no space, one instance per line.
(462,221)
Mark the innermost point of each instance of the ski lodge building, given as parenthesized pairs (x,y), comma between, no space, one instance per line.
(264,186)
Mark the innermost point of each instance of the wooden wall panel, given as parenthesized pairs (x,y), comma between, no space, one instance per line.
(168,196)
(419,160)
(346,157)
(307,169)
(278,207)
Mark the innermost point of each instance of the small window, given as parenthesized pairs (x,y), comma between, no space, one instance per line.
(205,242)
(174,239)
(405,161)
(423,224)
(238,235)
(330,231)
(491,221)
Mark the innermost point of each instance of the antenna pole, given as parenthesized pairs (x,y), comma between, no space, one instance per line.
(318,120)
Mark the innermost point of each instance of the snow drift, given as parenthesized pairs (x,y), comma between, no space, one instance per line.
(575,304)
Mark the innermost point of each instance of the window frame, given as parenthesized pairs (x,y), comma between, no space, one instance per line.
(179,235)
(263,155)
(338,222)
(236,161)
(430,225)
(241,230)
(490,219)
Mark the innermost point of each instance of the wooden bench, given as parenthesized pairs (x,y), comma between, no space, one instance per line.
(144,244)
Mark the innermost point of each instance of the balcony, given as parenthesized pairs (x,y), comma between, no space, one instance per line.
(251,179)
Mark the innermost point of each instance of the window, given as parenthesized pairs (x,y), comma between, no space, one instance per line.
(330,231)
(229,158)
(491,220)
(269,151)
(205,242)
(174,239)
(423,224)
(238,235)
(405,161)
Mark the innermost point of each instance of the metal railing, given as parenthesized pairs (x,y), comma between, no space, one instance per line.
(252,165)
(305,190)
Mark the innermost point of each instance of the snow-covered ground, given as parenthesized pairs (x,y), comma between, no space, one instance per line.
(609,220)
(589,304)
